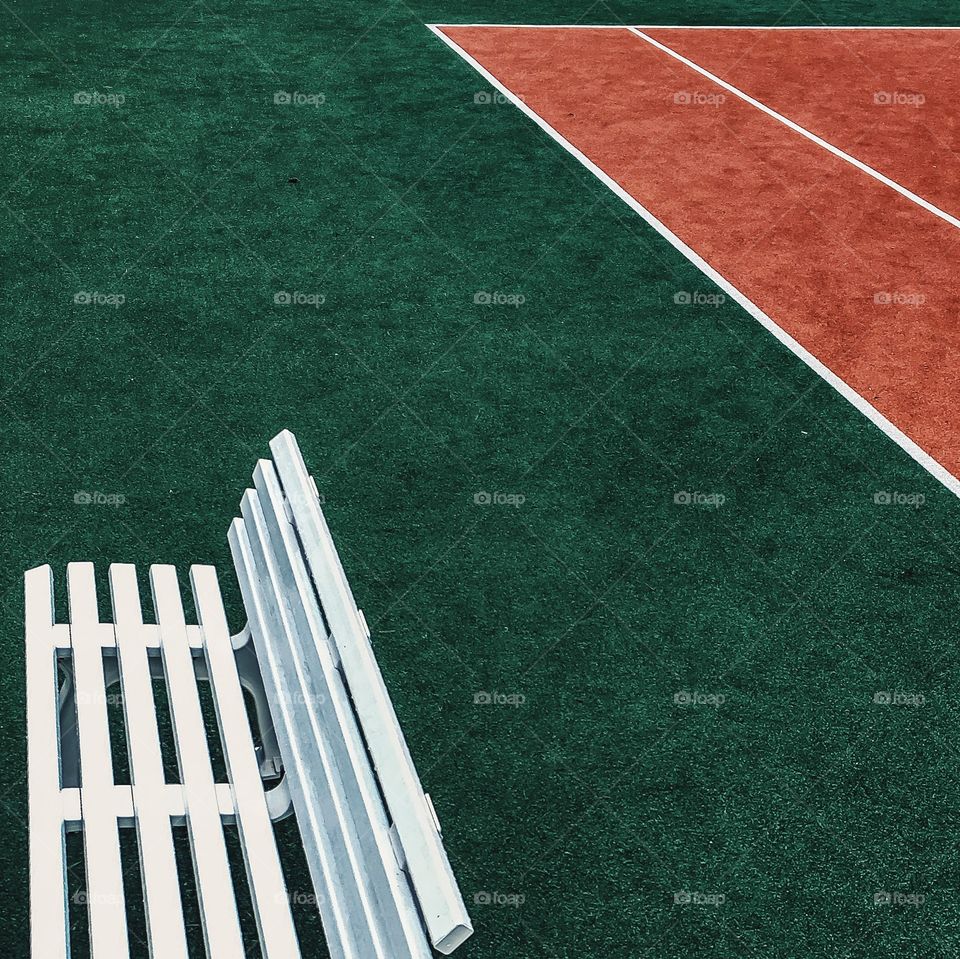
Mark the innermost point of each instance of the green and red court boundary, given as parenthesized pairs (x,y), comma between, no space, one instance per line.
(845,264)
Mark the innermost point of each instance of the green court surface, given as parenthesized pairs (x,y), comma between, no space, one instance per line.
(588,801)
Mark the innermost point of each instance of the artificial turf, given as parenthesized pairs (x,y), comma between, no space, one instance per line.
(590,806)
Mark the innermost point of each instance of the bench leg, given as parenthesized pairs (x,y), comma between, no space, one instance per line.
(271,766)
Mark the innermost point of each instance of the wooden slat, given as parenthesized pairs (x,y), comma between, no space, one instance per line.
(105,900)
(211,866)
(434,883)
(161,885)
(278,939)
(49,919)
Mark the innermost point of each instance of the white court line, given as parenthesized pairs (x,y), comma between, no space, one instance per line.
(812,26)
(803,131)
(674,26)
(539,26)
(937,470)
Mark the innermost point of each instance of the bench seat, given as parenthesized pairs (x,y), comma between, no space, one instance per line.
(330,749)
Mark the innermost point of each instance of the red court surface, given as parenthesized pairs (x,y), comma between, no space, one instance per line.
(857,273)
(889,97)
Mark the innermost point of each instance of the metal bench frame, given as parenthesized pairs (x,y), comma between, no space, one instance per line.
(331,751)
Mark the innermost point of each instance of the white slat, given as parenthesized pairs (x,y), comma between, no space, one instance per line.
(105,901)
(278,803)
(151,634)
(278,939)
(384,889)
(49,918)
(158,865)
(436,888)
(211,868)
(314,795)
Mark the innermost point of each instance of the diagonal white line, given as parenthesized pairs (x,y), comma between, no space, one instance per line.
(937,470)
(809,26)
(534,26)
(679,26)
(786,121)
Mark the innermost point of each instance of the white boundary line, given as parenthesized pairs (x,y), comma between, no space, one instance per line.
(803,131)
(847,392)
(676,26)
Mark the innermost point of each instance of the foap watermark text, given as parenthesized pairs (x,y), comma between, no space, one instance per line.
(494,698)
(695,498)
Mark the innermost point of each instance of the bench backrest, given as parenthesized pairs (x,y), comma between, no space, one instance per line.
(370,835)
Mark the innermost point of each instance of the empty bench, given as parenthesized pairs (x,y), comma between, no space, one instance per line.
(330,749)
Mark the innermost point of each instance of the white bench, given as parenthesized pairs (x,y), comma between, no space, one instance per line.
(331,748)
